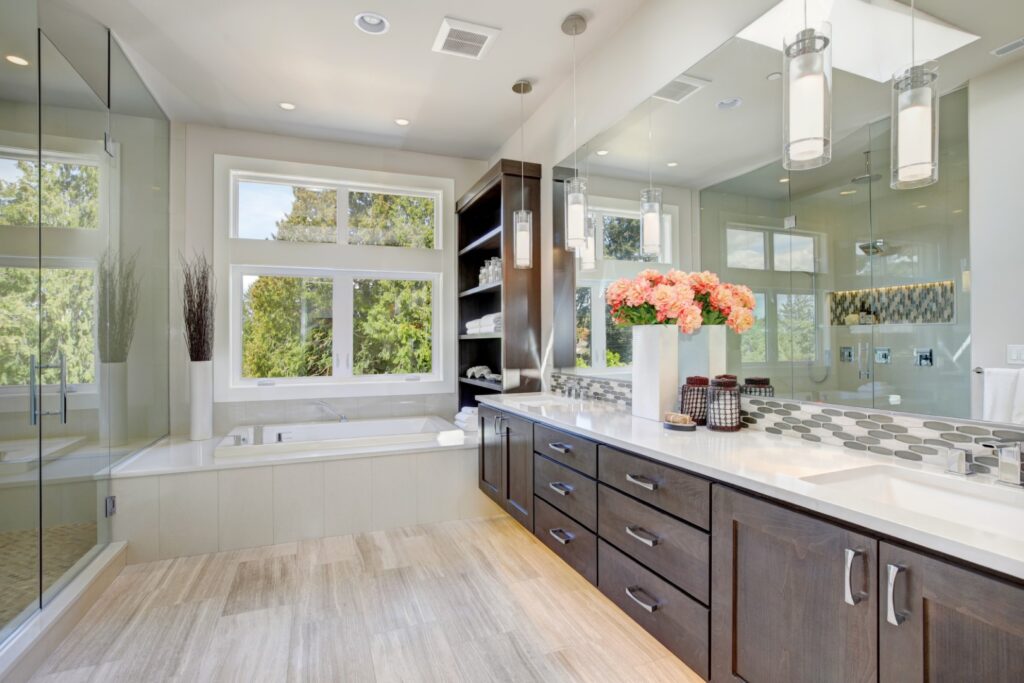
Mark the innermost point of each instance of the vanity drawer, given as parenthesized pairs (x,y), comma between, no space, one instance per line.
(674,549)
(566,489)
(575,545)
(678,493)
(668,614)
(568,449)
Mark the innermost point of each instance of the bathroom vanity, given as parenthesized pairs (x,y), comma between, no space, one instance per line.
(756,557)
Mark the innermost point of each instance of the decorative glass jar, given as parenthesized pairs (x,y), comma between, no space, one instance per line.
(693,399)
(757,386)
(724,405)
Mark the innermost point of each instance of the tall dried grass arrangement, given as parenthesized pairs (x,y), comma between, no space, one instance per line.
(118,298)
(197,306)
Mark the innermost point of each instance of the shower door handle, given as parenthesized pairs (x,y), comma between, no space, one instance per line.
(33,400)
(62,406)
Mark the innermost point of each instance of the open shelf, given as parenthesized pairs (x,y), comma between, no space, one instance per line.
(481,289)
(489,240)
(486,384)
(489,335)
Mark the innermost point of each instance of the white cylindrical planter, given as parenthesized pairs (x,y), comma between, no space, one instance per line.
(655,370)
(200,388)
(703,352)
(113,403)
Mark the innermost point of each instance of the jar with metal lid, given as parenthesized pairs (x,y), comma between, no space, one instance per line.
(757,386)
(693,399)
(724,405)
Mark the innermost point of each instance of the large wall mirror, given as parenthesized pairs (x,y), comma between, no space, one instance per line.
(866,295)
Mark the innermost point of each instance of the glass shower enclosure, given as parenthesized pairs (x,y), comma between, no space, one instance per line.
(83,294)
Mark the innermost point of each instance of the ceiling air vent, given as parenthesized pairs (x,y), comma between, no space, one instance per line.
(680,88)
(1008,48)
(462,39)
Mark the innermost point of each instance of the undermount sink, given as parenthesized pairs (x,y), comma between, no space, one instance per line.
(986,507)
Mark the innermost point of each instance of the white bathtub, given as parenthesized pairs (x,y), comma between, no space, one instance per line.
(254,441)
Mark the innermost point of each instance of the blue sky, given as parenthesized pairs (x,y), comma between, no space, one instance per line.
(260,206)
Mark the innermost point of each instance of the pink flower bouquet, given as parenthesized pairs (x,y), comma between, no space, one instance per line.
(687,300)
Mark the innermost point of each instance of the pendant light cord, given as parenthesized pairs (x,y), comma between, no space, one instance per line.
(913,37)
(805,14)
(650,142)
(522,152)
(575,145)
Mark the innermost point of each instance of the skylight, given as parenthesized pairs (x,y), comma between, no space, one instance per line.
(869,39)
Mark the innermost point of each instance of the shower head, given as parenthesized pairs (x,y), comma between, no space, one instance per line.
(866,178)
(873,247)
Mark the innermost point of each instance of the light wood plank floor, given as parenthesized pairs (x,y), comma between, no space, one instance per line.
(459,601)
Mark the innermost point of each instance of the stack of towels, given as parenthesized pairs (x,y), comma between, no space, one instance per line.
(1004,395)
(489,324)
(466,420)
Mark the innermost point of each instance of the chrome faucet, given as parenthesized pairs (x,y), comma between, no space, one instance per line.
(1009,455)
(959,461)
(330,409)
(573,389)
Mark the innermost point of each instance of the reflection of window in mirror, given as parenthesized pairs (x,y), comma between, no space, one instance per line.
(796,327)
(750,247)
(71,189)
(600,343)
(754,344)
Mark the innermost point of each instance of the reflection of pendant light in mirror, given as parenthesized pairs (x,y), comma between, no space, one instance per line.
(915,122)
(807,98)
(588,254)
(575,187)
(523,218)
(650,198)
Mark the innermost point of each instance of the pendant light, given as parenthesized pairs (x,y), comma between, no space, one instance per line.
(650,198)
(807,98)
(523,218)
(915,122)
(575,187)
(588,254)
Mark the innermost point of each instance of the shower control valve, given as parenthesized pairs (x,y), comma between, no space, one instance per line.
(924,358)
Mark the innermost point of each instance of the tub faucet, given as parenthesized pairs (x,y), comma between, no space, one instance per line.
(330,409)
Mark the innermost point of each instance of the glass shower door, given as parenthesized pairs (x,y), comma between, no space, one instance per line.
(77,182)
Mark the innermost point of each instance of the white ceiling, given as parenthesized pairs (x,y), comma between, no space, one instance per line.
(230,62)
(712,145)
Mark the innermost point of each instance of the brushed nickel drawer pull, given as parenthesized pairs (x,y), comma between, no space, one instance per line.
(893,616)
(560,447)
(561,488)
(561,535)
(850,596)
(642,481)
(636,594)
(643,535)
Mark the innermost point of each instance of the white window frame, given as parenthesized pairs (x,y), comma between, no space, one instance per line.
(768,234)
(236,256)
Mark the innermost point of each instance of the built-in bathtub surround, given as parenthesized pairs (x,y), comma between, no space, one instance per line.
(929,302)
(619,392)
(900,435)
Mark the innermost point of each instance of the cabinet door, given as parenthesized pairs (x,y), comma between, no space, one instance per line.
(491,451)
(782,588)
(518,436)
(941,622)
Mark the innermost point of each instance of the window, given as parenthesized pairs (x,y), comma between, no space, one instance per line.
(584,326)
(795,326)
(754,343)
(334,281)
(622,238)
(618,342)
(793,252)
(756,248)
(745,249)
(70,196)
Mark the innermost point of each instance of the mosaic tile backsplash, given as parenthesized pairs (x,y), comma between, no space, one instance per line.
(599,388)
(903,436)
(931,302)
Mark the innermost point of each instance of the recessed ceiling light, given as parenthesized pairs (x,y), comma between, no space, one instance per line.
(372,23)
(287,106)
(729,103)
(774,76)
(602,152)
(958,210)
(783,180)
(402,122)
(672,164)
(847,193)
(922,206)
(15,59)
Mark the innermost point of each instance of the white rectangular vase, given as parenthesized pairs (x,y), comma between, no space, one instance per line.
(655,370)
(200,390)
(703,352)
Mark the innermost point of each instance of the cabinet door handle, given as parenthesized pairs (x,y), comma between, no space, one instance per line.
(893,616)
(561,535)
(560,447)
(643,535)
(494,423)
(642,481)
(850,596)
(561,488)
(637,595)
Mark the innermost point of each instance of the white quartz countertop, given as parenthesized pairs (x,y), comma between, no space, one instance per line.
(775,466)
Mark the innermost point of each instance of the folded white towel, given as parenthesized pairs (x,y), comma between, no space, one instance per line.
(491,318)
(467,425)
(1000,398)
(469,410)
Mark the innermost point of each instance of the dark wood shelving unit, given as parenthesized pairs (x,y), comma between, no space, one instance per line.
(485,230)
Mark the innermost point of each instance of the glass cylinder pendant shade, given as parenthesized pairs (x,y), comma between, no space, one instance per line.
(575,212)
(523,221)
(650,213)
(588,254)
(807,99)
(915,127)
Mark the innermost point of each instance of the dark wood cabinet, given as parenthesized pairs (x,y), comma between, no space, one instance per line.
(941,622)
(491,455)
(794,598)
(518,469)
